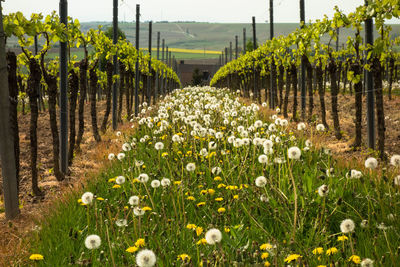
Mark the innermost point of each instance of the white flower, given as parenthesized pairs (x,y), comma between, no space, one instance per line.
(159,146)
(213,236)
(133,200)
(121,156)
(165,182)
(323,190)
(204,152)
(87,198)
(212,145)
(261,181)
(268,144)
(121,222)
(176,138)
(146,258)
(371,163)
(347,226)
(92,242)
(395,160)
(301,126)
(294,152)
(354,174)
(139,163)
(308,143)
(118,133)
(364,223)
(216,170)
(264,105)
(284,123)
(155,183)
(258,124)
(320,127)
(367,263)
(219,135)
(397,180)
(143,178)
(111,156)
(278,110)
(126,147)
(263,159)
(190,167)
(120,180)
(138,211)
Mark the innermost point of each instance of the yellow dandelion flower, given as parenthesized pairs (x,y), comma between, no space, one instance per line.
(331,251)
(80,200)
(217,178)
(111,180)
(264,255)
(292,257)
(199,230)
(126,208)
(191,226)
(202,241)
(36,257)
(201,204)
(177,182)
(227,229)
(318,250)
(321,266)
(100,198)
(267,264)
(200,186)
(342,238)
(184,257)
(211,191)
(266,246)
(221,185)
(143,166)
(147,209)
(116,186)
(190,198)
(140,243)
(219,199)
(236,197)
(164,154)
(132,249)
(221,210)
(203,192)
(354,258)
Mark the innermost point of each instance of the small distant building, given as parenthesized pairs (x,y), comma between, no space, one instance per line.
(186,69)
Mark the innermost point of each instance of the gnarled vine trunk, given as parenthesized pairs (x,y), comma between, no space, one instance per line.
(73,87)
(108,86)
(377,72)
(332,69)
(93,109)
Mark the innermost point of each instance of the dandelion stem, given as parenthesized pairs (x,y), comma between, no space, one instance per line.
(109,246)
(295,203)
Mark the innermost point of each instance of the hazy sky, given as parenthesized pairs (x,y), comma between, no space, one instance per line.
(187,10)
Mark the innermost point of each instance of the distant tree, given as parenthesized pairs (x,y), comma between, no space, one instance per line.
(197,77)
(110,33)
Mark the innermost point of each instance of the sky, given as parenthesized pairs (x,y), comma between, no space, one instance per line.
(232,11)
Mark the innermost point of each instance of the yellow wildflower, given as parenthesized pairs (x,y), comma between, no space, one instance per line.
(221,210)
(100,198)
(318,250)
(266,246)
(267,264)
(201,204)
(146,208)
(236,197)
(217,178)
(36,257)
(264,255)
(80,200)
(140,243)
(177,182)
(116,186)
(221,185)
(190,198)
(342,238)
(143,166)
(132,249)
(331,251)
(199,230)
(203,192)
(202,241)
(164,154)
(184,257)
(227,229)
(111,180)
(211,191)
(356,259)
(191,226)
(321,266)
(292,257)
(219,199)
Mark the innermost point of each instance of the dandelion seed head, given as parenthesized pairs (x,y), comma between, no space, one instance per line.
(213,236)
(133,201)
(155,183)
(146,258)
(190,167)
(371,163)
(120,180)
(111,156)
(87,198)
(395,160)
(165,182)
(347,226)
(92,242)
(294,153)
(261,181)
(323,190)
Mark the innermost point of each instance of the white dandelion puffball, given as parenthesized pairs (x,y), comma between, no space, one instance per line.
(120,180)
(118,133)
(284,123)
(165,182)
(133,201)
(367,263)
(278,110)
(323,190)
(92,242)
(320,127)
(138,211)
(258,124)
(219,135)
(364,223)
(354,174)
(121,223)
(216,170)
(213,236)
(261,181)
(347,226)
(121,156)
(190,167)
(397,180)
(301,126)
(395,160)
(111,156)
(294,152)
(159,146)
(146,258)
(155,183)
(126,147)
(263,159)
(143,178)
(371,163)
(87,198)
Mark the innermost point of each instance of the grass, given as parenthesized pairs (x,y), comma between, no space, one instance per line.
(280,222)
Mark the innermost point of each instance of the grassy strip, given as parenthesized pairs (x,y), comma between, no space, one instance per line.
(242,185)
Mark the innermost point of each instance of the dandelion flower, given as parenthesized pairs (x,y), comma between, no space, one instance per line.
(143,178)
(111,156)
(323,190)
(216,170)
(213,236)
(132,249)
(261,181)
(126,147)
(190,167)
(347,226)
(121,223)
(155,183)
(395,160)
(87,198)
(371,163)
(140,243)
(159,146)
(36,257)
(318,250)
(331,251)
(292,257)
(138,211)
(221,210)
(301,126)
(354,258)
(266,246)
(263,159)
(294,153)
(320,127)
(146,258)
(120,180)
(134,200)
(165,182)
(121,156)
(92,242)
(367,263)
